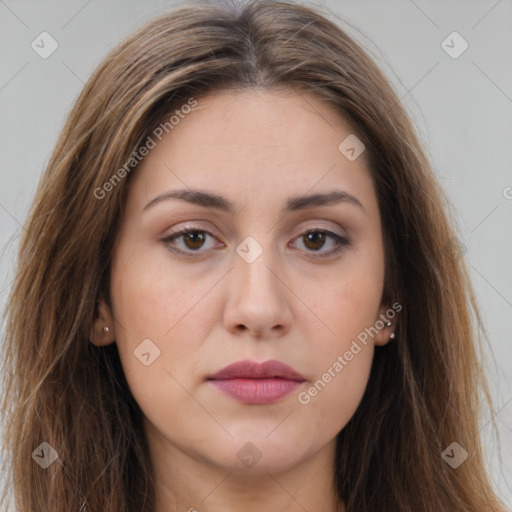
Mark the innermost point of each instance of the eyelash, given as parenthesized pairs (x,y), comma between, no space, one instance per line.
(341,242)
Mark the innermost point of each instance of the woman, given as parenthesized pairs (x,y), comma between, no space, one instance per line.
(238,287)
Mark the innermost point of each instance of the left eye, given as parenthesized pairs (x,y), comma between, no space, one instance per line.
(190,241)
(316,240)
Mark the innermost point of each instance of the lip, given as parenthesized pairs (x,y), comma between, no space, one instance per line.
(256,383)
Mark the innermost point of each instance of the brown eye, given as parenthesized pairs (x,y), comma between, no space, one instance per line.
(321,243)
(314,240)
(191,242)
(194,239)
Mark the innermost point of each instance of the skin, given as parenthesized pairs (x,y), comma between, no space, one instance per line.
(256,148)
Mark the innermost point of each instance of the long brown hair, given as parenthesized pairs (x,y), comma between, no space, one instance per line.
(425,391)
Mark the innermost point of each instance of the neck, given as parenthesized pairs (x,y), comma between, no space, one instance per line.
(184,483)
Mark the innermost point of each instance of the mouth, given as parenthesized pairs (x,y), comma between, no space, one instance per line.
(256,383)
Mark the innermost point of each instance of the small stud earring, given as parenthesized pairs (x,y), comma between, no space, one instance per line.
(106,329)
(389,324)
(392,336)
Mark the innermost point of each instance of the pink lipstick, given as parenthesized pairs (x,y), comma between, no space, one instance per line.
(256,383)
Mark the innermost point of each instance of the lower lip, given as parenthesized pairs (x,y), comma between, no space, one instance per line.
(257,391)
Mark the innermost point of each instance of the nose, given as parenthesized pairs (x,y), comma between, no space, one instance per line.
(258,302)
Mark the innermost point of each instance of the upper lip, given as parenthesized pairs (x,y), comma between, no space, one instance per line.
(253,370)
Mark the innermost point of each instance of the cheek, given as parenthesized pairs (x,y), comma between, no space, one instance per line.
(341,361)
(355,304)
(348,305)
(170,310)
(334,396)
(151,303)
(149,295)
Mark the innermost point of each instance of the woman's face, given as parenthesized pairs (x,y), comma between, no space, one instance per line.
(249,174)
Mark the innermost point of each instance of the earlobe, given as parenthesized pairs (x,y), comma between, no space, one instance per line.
(386,325)
(102,331)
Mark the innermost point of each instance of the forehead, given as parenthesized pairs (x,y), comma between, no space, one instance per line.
(252,145)
(274,119)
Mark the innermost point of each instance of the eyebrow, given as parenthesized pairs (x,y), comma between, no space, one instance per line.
(210,200)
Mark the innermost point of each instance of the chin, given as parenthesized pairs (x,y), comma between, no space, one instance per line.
(259,454)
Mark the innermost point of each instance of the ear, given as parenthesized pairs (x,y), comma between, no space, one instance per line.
(386,332)
(103,331)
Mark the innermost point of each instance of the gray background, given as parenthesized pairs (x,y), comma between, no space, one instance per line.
(462,108)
